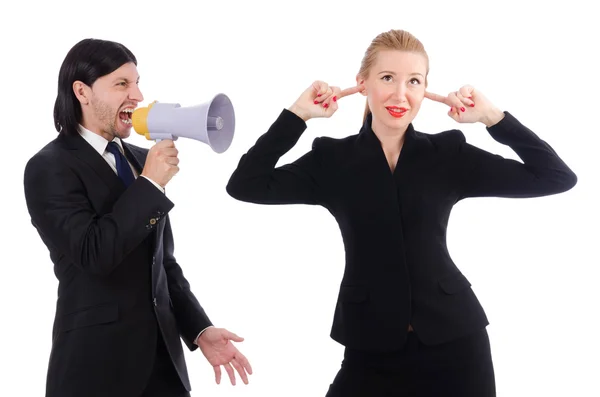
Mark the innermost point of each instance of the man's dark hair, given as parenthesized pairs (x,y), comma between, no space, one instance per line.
(86,61)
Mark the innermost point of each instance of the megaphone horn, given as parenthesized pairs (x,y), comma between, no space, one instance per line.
(211,122)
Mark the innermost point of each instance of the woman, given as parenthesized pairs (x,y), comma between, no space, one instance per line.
(409,320)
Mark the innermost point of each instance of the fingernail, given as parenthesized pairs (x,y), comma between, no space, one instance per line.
(326,105)
(472,105)
(452,109)
(334,98)
(318,94)
(462,109)
(316,102)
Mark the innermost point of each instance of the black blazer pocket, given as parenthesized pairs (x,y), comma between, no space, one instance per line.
(353,294)
(89,315)
(454,283)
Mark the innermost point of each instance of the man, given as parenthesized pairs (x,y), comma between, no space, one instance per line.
(98,204)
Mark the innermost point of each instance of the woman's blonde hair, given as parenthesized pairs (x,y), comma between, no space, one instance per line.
(400,40)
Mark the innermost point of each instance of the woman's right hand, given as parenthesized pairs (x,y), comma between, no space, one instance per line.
(320,100)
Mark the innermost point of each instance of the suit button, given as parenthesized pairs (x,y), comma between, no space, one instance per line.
(152,221)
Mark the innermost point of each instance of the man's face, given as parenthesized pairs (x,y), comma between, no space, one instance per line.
(108,104)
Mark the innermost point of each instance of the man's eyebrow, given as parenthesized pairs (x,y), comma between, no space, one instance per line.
(126,79)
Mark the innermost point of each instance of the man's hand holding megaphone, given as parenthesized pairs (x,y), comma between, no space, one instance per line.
(162,162)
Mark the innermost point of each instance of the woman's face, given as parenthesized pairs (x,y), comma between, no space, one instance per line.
(395,89)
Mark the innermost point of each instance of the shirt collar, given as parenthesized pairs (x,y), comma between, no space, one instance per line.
(98,142)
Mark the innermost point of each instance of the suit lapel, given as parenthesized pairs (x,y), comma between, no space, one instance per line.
(86,153)
(412,149)
(413,155)
(136,156)
(416,157)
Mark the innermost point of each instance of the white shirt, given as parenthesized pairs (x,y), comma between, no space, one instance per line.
(99,143)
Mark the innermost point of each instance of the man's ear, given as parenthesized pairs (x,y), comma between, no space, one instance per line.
(82,92)
(359,81)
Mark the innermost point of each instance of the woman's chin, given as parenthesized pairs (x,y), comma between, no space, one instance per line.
(393,123)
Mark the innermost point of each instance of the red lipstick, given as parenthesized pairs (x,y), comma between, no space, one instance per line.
(396,111)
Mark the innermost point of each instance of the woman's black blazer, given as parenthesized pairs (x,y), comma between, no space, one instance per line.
(393,224)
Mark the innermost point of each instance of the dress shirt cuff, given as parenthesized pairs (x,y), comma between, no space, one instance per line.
(198,337)
(155,184)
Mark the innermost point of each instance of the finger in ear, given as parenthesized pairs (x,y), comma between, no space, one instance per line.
(466,91)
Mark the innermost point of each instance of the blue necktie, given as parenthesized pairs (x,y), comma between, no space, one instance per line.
(123,168)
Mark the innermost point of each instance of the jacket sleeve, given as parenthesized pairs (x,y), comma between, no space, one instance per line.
(63,216)
(191,317)
(541,172)
(258,180)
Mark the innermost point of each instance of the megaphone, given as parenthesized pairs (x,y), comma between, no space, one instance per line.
(211,122)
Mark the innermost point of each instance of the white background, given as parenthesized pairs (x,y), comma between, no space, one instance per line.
(271,274)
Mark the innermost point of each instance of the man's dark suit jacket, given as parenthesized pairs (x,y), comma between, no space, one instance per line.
(398,269)
(119,283)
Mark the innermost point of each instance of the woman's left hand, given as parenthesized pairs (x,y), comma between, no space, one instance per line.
(467,105)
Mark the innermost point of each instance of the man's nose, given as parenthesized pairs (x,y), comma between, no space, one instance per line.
(136,94)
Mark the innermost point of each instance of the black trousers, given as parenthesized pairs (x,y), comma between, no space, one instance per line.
(164,381)
(461,368)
